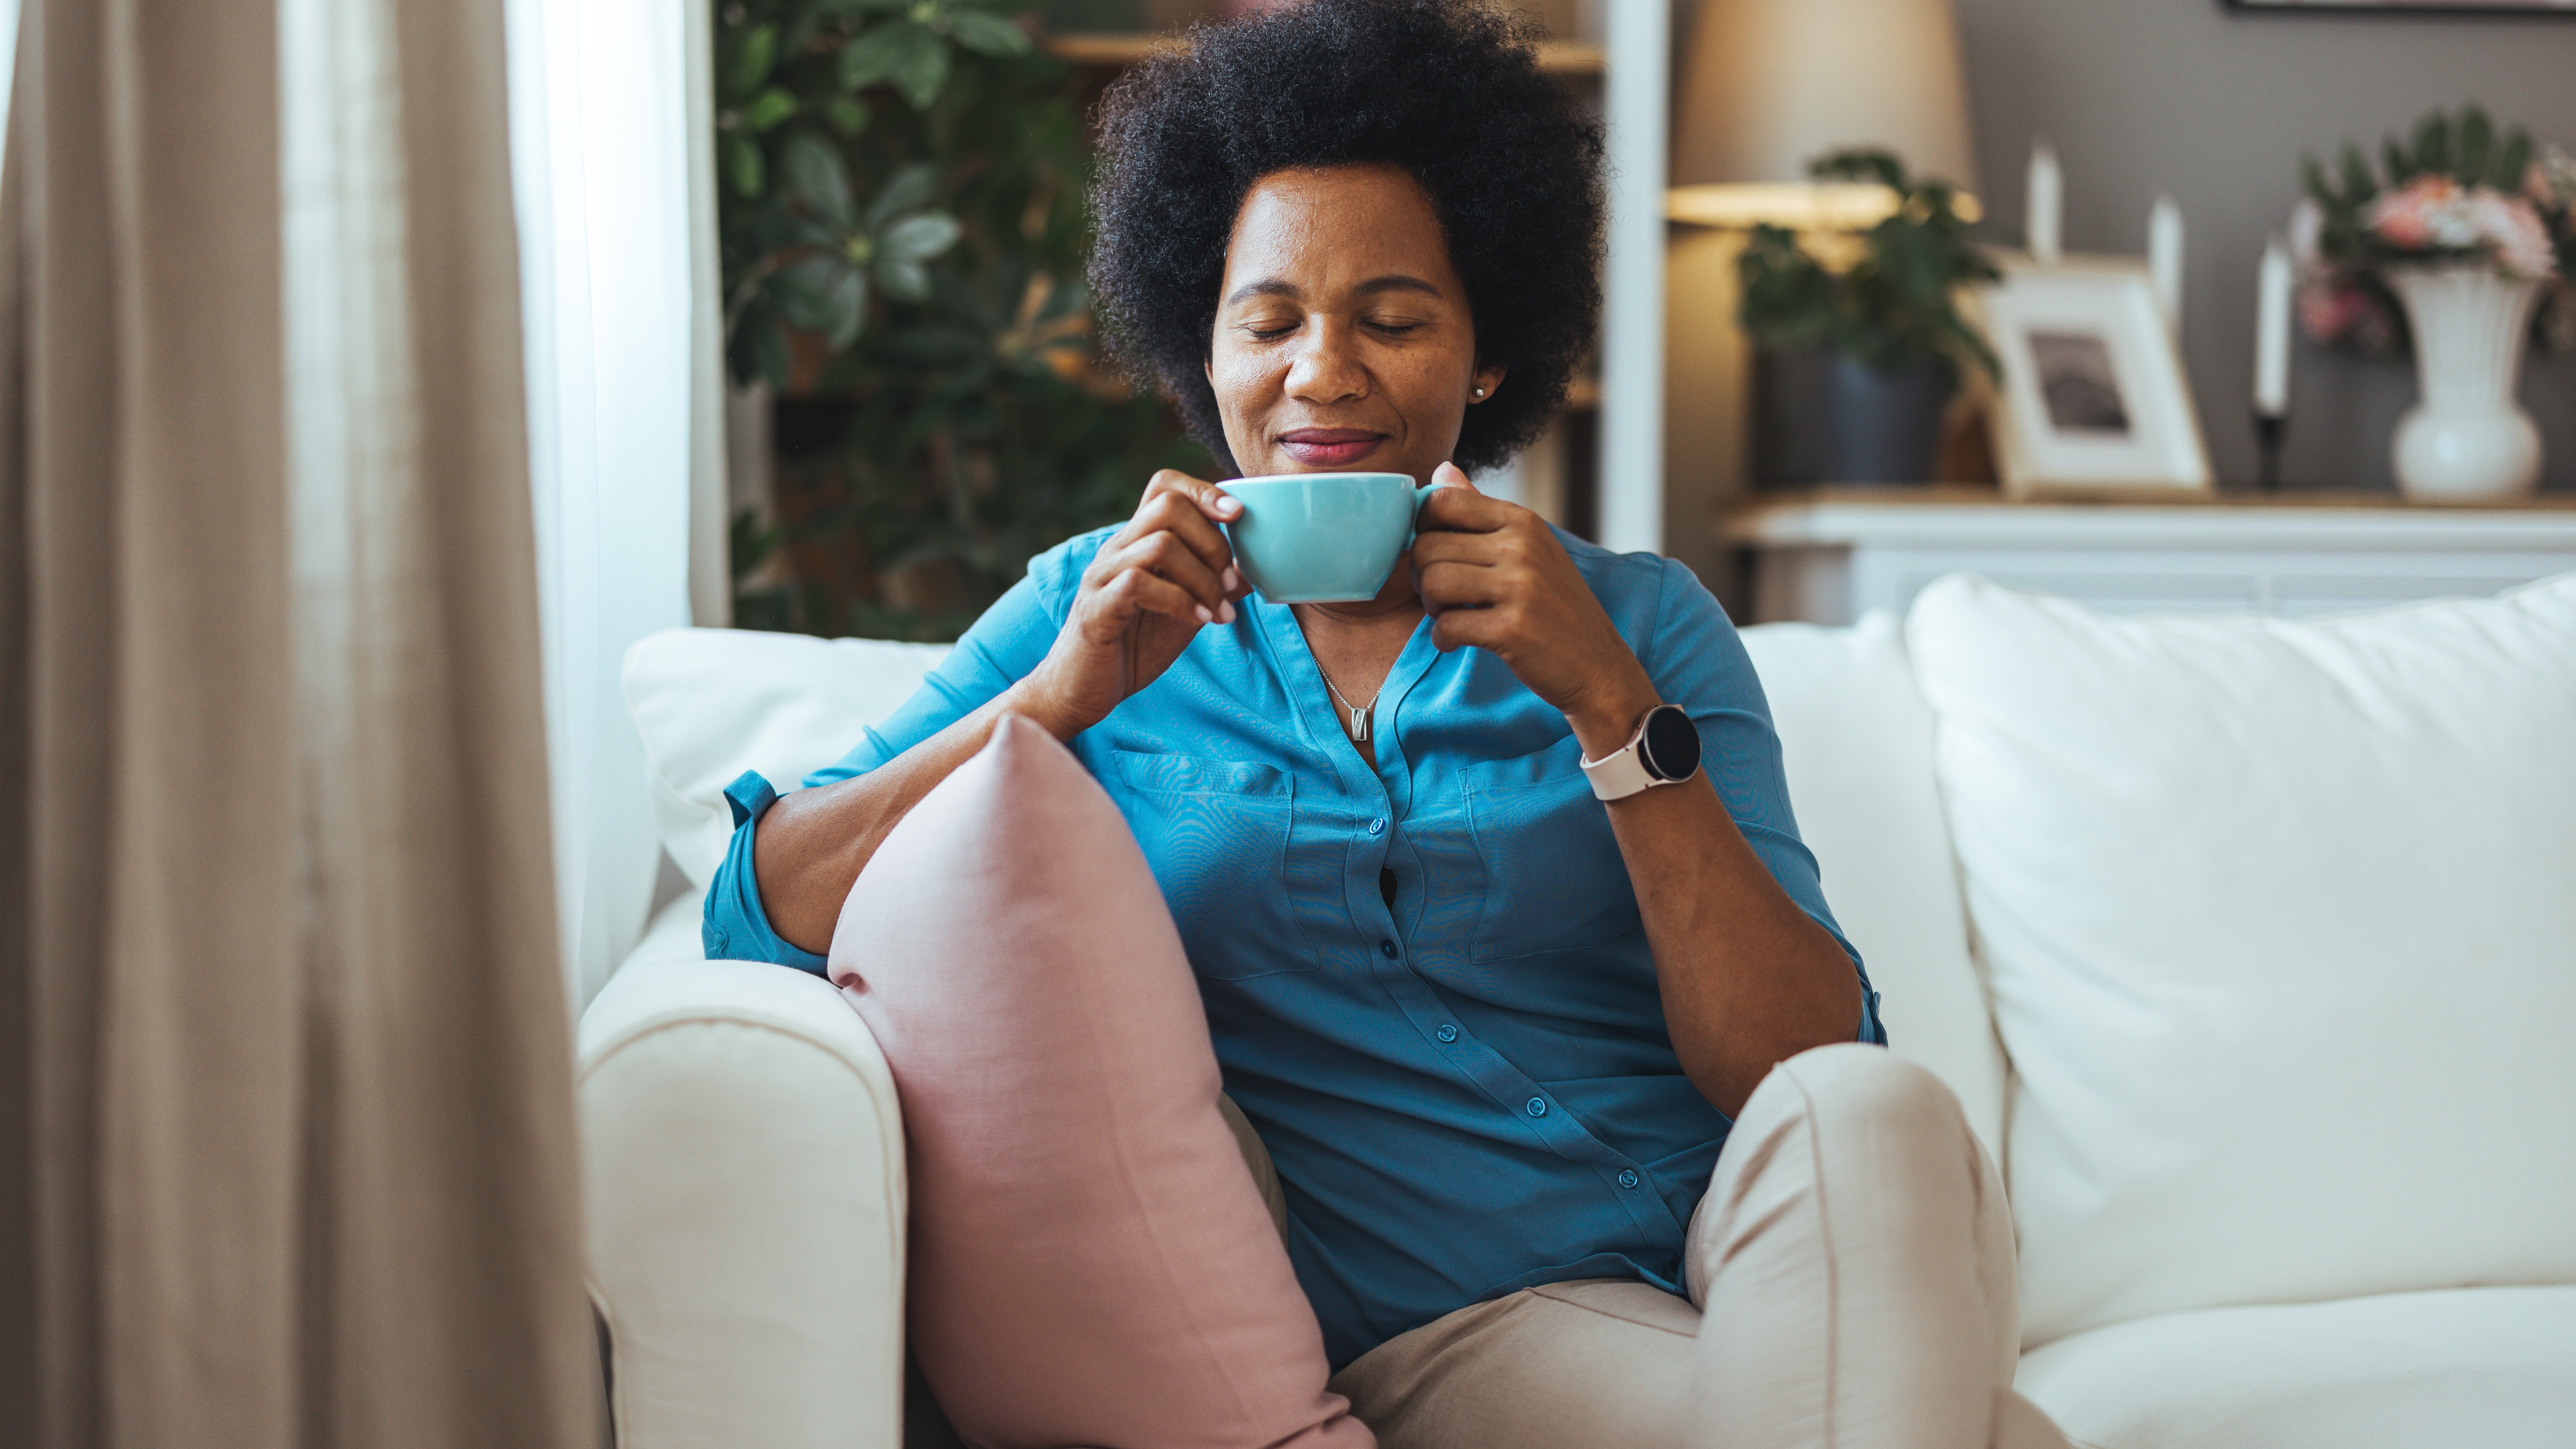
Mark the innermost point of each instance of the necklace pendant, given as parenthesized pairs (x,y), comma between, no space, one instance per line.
(1359,725)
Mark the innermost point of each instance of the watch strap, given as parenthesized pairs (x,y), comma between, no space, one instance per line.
(1622,772)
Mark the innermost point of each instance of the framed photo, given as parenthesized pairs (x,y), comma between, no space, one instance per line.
(2092,399)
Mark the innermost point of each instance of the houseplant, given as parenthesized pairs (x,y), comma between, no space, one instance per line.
(901,187)
(1861,343)
(2450,253)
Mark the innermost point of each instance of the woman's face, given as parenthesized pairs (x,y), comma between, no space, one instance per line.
(1343,341)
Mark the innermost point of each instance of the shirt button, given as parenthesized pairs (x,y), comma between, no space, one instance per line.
(1378,826)
(1386,949)
(1538,1106)
(1628,1177)
(1447,1033)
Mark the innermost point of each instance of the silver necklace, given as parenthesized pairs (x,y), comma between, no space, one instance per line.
(1358,728)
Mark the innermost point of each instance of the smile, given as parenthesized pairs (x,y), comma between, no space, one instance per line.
(1330,447)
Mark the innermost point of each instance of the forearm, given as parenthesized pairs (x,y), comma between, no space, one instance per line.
(1747,978)
(813,843)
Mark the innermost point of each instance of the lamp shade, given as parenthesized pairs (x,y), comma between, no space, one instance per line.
(1770,85)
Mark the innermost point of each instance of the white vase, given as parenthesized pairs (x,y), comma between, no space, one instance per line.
(2466,439)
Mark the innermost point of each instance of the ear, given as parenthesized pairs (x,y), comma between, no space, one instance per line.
(1486,381)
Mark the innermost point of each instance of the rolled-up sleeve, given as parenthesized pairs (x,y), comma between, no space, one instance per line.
(1008,641)
(735,928)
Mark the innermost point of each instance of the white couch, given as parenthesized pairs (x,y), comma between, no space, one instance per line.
(745,1166)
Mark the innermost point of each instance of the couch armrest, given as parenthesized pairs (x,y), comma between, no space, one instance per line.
(744,1169)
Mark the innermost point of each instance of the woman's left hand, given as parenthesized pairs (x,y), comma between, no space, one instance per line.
(1493,575)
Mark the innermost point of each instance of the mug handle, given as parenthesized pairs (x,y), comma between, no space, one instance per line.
(1421,492)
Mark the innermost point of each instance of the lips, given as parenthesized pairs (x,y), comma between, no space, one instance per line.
(1330,447)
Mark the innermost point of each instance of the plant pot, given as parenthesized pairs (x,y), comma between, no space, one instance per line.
(1823,416)
(2466,439)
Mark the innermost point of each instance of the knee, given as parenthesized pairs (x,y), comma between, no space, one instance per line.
(1852,1087)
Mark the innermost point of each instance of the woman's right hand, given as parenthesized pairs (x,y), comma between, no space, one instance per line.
(1142,600)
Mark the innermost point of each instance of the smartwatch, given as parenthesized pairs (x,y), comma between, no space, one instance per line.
(1664,751)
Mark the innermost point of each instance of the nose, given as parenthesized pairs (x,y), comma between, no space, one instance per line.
(1326,369)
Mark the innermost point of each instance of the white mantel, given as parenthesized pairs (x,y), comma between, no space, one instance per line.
(1829,556)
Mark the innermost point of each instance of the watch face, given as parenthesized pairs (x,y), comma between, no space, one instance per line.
(1670,749)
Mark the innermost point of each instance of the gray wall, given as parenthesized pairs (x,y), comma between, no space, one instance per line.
(2215,106)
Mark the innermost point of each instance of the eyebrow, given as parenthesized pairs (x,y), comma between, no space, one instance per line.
(1273,287)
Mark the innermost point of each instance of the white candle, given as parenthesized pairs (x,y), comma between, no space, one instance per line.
(2045,205)
(2272,333)
(2164,261)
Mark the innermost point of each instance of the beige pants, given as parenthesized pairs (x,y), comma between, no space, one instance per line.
(1851,1284)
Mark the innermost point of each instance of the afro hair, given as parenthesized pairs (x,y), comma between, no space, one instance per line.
(1449,90)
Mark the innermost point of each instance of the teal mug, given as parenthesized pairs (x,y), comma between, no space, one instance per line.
(1323,538)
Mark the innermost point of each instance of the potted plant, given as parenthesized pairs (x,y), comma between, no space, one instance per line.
(2451,254)
(900,201)
(1860,342)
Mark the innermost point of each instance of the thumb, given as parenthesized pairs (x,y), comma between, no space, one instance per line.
(1450,475)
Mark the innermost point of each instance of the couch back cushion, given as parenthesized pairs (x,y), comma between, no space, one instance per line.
(712,703)
(2280,924)
(1091,1261)
(1856,739)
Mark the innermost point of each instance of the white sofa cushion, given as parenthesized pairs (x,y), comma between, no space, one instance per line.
(2279,925)
(712,703)
(1857,743)
(2492,1367)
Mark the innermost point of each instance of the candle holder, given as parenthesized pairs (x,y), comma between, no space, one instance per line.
(2268,430)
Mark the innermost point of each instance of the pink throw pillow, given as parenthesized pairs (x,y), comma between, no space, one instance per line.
(1091,1263)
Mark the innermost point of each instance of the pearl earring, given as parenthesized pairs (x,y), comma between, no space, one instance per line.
(1480,392)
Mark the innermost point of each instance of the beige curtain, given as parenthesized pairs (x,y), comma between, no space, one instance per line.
(286,1149)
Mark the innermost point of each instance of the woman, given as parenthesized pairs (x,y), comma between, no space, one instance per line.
(1491,1029)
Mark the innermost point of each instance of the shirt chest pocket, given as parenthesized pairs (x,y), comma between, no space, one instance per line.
(1554,878)
(1216,834)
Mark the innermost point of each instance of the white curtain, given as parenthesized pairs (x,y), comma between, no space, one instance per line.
(610,144)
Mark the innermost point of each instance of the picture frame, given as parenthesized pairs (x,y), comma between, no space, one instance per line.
(2092,400)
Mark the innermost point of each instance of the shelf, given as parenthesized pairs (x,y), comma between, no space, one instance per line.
(1111,50)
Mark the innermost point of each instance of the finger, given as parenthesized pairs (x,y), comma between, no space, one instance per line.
(1472,628)
(1179,515)
(1168,558)
(1459,585)
(1464,510)
(1209,498)
(1450,475)
(1138,592)
(1445,546)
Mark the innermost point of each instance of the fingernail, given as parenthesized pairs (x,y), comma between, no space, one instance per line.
(1233,579)
(1226,615)
(1228,504)
(1204,616)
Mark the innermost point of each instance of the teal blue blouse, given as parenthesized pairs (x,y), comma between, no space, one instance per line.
(1427,982)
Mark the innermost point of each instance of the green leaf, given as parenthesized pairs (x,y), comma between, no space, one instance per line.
(2513,161)
(2313,178)
(2433,143)
(919,237)
(769,108)
(751,63)
(902,52)
(903,280)
(987,34)
(906,190)
(923,73)
(2401,167)
(743,165)
(2476,134)
(2358,188)
(824,294)
(849,117)
(817,178)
